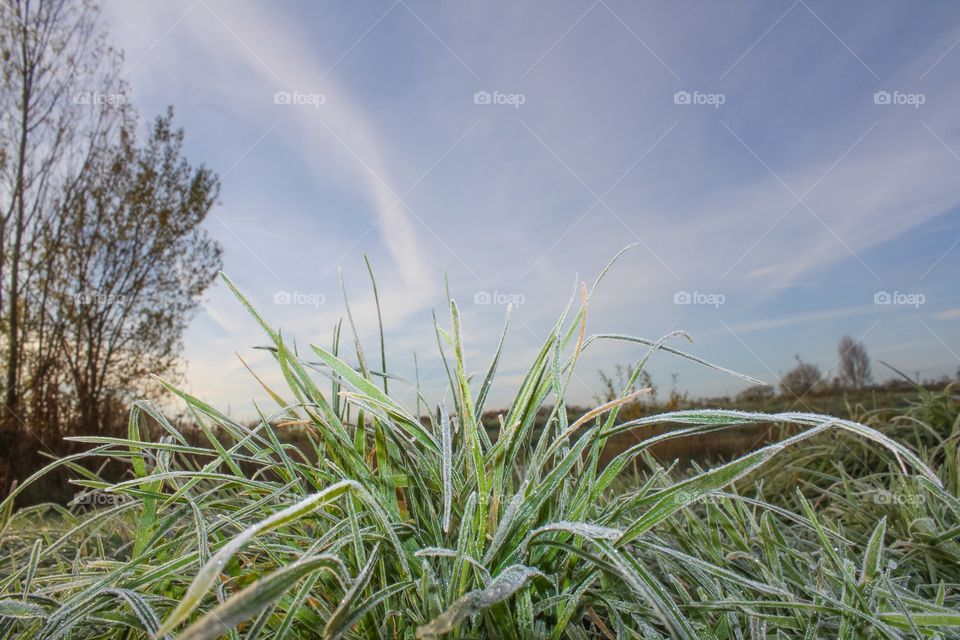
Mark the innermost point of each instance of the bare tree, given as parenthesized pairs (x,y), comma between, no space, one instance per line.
(854,364)
(52,57)
(89,216)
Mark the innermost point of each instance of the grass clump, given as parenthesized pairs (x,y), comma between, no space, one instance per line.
(393,525)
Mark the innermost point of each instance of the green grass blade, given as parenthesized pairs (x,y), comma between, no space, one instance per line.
(253,599)
(209,572)
(511,580)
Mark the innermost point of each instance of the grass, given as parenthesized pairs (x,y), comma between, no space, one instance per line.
(389,525)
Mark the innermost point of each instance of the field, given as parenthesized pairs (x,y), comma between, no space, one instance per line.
(856,405)
(380,524)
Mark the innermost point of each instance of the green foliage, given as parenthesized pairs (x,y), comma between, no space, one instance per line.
(386,525)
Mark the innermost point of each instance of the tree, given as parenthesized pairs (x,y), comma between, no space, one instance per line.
(137,260)
(49,53)
(854,364)
(802,380)
(103,256)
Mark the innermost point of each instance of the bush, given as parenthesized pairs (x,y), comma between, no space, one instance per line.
(757,394)
(803,380)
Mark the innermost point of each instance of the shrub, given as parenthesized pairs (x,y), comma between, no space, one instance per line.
(804,379)
(757,394)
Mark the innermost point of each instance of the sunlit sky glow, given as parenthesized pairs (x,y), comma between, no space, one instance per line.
(788,188)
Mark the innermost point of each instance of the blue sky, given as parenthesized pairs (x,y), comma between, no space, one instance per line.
(780,162)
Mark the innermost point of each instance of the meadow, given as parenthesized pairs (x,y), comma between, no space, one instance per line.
(384,523)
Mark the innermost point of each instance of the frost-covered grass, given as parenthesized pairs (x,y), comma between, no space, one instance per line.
(393,526)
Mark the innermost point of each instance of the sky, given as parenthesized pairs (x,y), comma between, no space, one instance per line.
(786,171)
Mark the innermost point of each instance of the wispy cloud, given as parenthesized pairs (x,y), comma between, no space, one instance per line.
(799,174)
(948,314)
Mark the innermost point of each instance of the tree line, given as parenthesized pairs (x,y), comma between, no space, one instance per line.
(853,371)
(103,256)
